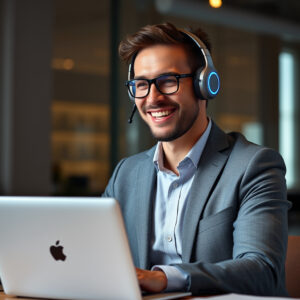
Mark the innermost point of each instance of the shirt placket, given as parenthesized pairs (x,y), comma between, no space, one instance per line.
(171,217)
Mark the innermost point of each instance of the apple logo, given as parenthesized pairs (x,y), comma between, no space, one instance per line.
(57,251)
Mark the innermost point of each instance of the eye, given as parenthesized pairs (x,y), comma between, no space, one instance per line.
(141,84)
(167,81)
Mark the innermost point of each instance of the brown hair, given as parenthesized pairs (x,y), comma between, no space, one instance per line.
(166,34)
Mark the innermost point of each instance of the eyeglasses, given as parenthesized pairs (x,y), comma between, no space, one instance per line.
(166,84)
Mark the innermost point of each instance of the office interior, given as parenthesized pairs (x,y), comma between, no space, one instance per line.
(64,106)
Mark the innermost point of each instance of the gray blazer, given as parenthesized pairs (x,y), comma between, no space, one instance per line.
(235,225)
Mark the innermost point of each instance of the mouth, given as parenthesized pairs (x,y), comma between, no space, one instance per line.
(161,115)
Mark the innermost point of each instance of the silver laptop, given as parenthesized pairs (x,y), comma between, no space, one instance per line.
(67,248)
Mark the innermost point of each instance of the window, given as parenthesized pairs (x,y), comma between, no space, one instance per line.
(287,114)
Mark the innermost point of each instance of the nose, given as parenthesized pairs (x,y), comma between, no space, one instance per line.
(154,94)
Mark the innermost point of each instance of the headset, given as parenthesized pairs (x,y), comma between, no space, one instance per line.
(206,80)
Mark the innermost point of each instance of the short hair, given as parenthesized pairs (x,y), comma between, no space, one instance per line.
(164,34)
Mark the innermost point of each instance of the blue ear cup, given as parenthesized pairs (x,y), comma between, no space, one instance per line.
(213,83)
(206,79)
(206,83)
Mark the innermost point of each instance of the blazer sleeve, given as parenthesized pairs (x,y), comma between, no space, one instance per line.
(259,236)
(109,190)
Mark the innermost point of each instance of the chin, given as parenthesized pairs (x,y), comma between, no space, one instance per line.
(171,135)
(167,137)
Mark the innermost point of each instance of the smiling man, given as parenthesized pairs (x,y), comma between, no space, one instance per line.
(205,211)
(177,117)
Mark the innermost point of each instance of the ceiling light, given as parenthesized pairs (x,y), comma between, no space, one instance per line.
(215,3)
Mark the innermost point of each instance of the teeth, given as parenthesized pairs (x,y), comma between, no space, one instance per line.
(160,114)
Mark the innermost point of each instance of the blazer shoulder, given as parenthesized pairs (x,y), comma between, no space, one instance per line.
(128,166)
(250,153)
(139,158)
(222,141)
(125,173)
(240,142)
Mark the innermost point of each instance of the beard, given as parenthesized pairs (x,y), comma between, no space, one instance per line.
(183,125)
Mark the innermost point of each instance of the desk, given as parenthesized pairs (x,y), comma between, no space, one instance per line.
(6,297)
(220,297)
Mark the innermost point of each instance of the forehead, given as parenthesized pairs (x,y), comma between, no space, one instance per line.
(155,60)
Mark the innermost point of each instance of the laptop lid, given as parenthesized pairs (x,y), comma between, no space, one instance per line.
(67,248)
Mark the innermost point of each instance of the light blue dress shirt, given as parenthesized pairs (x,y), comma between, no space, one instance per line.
(170,204)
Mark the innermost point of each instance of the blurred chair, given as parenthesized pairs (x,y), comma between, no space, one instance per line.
(292,266)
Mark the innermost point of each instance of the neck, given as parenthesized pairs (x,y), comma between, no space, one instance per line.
(175,151)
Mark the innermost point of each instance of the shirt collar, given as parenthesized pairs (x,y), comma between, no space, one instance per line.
(194,154)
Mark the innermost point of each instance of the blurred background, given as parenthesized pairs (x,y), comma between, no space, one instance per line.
(64,106)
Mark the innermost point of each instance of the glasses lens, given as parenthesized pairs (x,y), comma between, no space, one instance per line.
(139,88)
(167,84)
(131,88)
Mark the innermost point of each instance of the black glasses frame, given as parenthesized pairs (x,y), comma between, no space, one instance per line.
(129,83)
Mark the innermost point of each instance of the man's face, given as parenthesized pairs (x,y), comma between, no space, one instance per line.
(168,116)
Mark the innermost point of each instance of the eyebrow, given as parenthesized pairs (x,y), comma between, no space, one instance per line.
(163,74)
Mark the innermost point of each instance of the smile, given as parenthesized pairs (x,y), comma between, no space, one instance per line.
(160,114)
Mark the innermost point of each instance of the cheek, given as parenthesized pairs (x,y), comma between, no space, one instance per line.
(139,104)
(188,100)
(187,92)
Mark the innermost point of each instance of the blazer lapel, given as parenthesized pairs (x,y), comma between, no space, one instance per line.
(210,165)
(146,187)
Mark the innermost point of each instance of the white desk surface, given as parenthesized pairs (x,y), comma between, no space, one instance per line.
(220,297)
(8,297)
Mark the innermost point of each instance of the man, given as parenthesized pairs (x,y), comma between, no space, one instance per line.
(205,211)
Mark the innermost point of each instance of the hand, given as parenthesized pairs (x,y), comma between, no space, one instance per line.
(152,281)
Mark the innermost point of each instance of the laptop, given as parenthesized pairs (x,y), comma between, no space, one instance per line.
(67,248)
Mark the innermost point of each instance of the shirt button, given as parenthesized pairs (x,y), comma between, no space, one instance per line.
(169,239)
(175,185)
